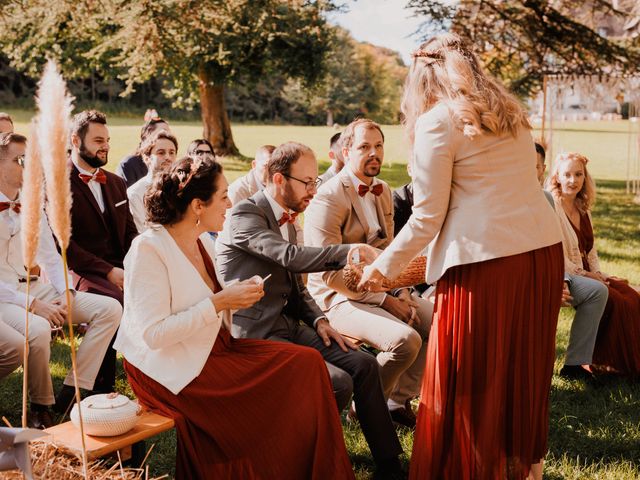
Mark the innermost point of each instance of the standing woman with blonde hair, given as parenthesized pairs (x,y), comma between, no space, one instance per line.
(495,251)
(573,190)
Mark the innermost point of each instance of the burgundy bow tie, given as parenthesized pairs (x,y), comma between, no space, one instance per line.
(375,189)
(15,206)
(99,177)
(286,217)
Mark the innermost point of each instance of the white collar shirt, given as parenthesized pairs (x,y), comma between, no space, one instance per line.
(93,186)
(277,212)
(368,203)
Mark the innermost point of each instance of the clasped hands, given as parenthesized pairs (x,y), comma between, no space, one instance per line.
(371,277)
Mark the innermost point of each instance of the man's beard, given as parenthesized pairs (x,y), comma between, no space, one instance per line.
(292,203)
(93,160)
(372,171)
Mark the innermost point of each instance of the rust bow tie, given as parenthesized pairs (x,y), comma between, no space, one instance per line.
(286,217)
(99,177)
(15,206)
(375,189)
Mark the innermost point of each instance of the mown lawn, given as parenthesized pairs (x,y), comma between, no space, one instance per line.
(594,431)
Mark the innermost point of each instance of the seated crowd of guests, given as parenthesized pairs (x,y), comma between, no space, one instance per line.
(164,250)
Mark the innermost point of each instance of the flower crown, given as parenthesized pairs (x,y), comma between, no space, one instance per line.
(186,176)
(430,57)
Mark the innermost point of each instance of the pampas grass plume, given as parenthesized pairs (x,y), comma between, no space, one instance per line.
(55,106)
(31,198)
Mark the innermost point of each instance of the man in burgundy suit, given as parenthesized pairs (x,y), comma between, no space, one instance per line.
(102,227)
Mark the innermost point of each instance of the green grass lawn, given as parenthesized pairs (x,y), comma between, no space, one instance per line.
(594,431)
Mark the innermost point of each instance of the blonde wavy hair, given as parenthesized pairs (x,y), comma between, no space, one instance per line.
(445,70)
(586,197)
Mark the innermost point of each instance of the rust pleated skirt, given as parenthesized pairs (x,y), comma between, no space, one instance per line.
(258,410)
(618,342)
(485,393)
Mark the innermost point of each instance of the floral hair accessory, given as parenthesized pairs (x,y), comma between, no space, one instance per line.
(185,177)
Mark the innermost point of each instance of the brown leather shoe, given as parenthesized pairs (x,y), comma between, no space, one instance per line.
(40,419)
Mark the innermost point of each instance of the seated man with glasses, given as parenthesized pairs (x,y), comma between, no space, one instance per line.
(259,239)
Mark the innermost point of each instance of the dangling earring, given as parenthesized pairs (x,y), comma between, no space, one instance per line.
(198,221)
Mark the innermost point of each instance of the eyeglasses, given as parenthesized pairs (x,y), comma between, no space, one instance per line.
(20,160)
(310,185)
(200,153)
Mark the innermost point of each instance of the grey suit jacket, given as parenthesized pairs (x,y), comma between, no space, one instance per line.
(251,244)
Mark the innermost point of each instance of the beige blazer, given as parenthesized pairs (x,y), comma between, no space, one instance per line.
(336,216)
(474,199)
(571,247)
(169,323)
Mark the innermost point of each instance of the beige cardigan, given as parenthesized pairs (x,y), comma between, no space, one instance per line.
(474,199)
(571,247)
(169,323)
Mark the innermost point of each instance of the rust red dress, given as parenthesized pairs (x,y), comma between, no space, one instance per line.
(618,342)
(485,392)
(258,410)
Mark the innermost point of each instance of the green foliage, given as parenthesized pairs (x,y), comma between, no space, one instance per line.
(519,41)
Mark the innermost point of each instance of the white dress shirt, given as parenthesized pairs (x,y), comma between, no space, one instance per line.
(136,201)
(11,261)
(278,211)
(94,186)
(368,203)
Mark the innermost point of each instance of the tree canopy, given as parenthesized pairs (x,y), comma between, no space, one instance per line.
(521,40)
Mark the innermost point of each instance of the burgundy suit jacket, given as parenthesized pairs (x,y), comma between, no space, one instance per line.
(89,251)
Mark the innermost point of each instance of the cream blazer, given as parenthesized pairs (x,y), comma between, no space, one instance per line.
(474,199)
(336,216)
(169,323)
(571,247)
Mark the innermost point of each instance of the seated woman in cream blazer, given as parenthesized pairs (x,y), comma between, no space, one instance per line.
(234,401)
(616,347)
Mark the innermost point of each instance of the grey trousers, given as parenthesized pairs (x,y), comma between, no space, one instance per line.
(589,300)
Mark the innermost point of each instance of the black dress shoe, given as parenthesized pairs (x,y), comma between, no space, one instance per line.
(576,372)
(389,470)
(40,419)
(404,416)
(64,400)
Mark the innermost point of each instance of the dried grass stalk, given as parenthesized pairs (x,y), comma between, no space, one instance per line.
(55,106)
(414,274)
(31,199)
(52,462)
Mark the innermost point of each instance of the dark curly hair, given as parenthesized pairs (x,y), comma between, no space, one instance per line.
(172,190)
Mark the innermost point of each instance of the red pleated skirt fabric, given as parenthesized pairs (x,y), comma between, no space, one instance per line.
(258,410)
(618,342)
(485,394)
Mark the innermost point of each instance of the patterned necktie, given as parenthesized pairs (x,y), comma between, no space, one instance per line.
(286,217)
(375,189)
(99,177)
(15,206)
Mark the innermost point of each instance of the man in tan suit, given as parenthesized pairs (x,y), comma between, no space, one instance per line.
(356,207)
(254,181)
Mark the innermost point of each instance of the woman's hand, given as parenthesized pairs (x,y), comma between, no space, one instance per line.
(239,295)
(618,279)
(371,280)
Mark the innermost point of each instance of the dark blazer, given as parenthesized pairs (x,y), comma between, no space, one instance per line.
(131,169)
(402,206)
(91,235)
(251,244)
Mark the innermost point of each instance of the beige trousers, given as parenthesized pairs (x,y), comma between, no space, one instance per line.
(101,313)
(402,348)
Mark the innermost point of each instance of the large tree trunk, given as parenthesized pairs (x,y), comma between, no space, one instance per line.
(217,128)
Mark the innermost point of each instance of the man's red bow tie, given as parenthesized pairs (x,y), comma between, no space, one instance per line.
(15,206)
(286,217)
(376,190)
(99,177)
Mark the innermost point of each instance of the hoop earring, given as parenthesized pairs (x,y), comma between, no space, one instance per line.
(198,221)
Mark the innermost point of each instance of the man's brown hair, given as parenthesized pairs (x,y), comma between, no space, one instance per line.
(346,138)
(82,120)
(7,117)
(284,156)
(8,138)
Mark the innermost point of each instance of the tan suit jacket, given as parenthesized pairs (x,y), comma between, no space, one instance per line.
(336,216)
(474,199)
